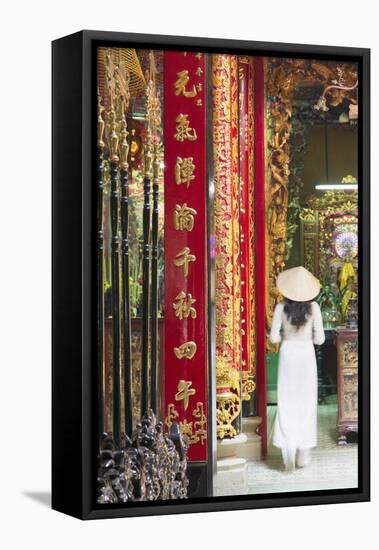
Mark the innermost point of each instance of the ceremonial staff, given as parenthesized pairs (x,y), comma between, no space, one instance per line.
(113,143)
(100,250)
(153,116)
(145,277)
(154,278)
(124,151)
(115,278)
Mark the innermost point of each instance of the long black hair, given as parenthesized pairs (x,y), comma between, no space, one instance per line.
(297,312)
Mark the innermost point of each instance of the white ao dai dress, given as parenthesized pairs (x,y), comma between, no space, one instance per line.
(295,429)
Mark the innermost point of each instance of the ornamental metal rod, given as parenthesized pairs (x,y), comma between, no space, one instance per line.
(145,279)
(114,162)
(154,279)
(128,409)
(100,252)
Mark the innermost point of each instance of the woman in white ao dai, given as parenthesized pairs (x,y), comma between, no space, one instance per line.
(297,325)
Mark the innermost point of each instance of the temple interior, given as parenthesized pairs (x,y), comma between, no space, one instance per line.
(215,173)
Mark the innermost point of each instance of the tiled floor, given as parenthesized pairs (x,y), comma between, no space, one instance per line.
(332,466)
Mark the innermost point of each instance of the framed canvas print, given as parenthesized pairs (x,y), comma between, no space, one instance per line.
(210,274)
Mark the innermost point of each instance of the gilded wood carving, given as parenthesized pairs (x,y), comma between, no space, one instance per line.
(228,296)
(282,75)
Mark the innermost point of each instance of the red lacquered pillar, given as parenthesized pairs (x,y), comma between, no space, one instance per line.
(260,229)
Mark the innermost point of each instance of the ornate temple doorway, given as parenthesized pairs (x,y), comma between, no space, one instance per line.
(209,175)
(304,203)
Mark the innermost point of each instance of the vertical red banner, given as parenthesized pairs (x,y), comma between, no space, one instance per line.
(185,375)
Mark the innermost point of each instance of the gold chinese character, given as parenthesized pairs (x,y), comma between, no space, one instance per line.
(183,217)
(199,87)
(183,258)
(172,415)
(183,306)
(199,103)
(183,129)
(199,71)
(181,83)
(184,170)
(184,392)
(200,424)
(199,55)
(186,350)
(186,428)
(195,430)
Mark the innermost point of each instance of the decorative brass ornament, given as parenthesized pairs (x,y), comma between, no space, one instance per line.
(186,350)
(124,145)
(153,102)
(113,81)
(148,154)
(113,135)
(127,60)
(100,123)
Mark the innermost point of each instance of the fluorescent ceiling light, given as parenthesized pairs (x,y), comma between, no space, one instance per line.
(336,186)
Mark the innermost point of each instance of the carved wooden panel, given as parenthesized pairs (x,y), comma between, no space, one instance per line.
(347,382)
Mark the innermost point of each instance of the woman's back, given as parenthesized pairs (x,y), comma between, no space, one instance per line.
(283,330)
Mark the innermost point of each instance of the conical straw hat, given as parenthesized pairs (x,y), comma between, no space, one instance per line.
(298,284)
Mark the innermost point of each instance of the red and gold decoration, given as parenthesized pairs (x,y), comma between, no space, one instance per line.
(280,91)
(185,379)
(329,243)
(227,242)
(247,223)
(339,82)
(159,472)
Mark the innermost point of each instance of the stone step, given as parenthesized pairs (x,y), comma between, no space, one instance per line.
(232,463)
(231,478)
(230,446)
(252,449)
(242,446)
(250,424)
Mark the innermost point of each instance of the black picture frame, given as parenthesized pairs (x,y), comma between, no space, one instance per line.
(74,281)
